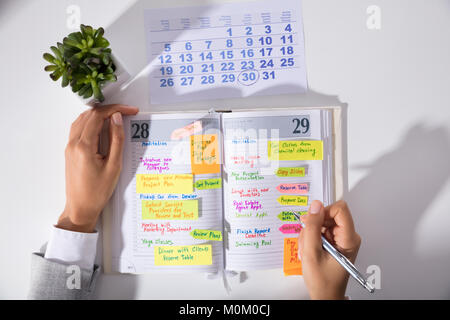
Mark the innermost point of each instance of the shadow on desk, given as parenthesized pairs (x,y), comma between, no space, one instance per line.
(388,205)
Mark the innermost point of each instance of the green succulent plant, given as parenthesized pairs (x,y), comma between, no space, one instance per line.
(59,66)
(84,61)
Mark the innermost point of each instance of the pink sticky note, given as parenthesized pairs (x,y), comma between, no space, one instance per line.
(296,188)
(290,228)
(186,131)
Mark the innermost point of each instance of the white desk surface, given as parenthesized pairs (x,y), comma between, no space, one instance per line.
(394,83)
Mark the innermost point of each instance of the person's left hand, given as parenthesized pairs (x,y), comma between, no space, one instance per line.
(90,177)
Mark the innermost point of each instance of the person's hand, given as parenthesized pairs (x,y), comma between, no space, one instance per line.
(91,177)
(324,277)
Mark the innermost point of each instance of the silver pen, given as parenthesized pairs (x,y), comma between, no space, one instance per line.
(343,261)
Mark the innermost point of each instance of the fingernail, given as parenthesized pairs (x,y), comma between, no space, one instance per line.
(315,207)
(117,118)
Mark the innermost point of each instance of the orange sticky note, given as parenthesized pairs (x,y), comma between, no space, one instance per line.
(205,156)
(291,264)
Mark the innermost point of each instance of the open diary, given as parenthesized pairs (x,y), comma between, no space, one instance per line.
(207,191)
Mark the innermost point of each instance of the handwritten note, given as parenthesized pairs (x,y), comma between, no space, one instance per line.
(295,150)
(291,172)
(291,264)
(206,235)
(183,255)
(296,188)
(205,157)
(164,183)
(246,176)
(293,200)
(156,164)
(215,183)
(169,209)
(289,216)
(290,228)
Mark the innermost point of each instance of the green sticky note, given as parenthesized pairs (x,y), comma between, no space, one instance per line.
(206,235)
(289,216)
(215,183)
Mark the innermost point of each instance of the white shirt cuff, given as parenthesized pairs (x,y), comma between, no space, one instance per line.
(72,248)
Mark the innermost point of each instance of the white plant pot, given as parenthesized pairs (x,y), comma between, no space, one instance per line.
(110,88)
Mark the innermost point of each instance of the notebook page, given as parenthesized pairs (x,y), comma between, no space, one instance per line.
(162,197)
(259,193)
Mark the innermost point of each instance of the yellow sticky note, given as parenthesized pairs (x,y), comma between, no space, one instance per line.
(293,200)
(164,183)
(195,255)
(291,172)
(205,156)
(206,235)
(291,264)
(295,150)
(169,209)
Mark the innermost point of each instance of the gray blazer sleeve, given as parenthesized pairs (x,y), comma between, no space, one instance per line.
(53,281)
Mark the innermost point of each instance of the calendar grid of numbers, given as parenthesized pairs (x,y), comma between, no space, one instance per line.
(225,51)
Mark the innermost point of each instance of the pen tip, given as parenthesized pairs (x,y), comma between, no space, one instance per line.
(369,287)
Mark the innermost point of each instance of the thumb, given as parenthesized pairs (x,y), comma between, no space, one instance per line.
(114,161)
(312,233)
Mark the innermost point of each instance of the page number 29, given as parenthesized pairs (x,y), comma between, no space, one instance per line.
(301,125)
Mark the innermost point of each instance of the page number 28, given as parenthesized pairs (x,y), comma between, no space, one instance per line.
(140,130)
(301,125)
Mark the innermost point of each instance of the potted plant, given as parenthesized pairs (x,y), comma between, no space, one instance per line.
(85,62)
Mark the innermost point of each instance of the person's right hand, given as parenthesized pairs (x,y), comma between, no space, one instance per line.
(324,277)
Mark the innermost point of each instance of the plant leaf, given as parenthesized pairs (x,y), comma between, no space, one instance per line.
(84,31)
(75,86)
(76,59)
(106,59)
(99,33)
(95,51)
(72,43)
(84,89)
(51,68)
(65,79)
(97,92)
(60,48)
(101,42)
(57,53)
(87,30)
(111,77)
(49,57)
(90,41)
(56,75)
(88,93)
